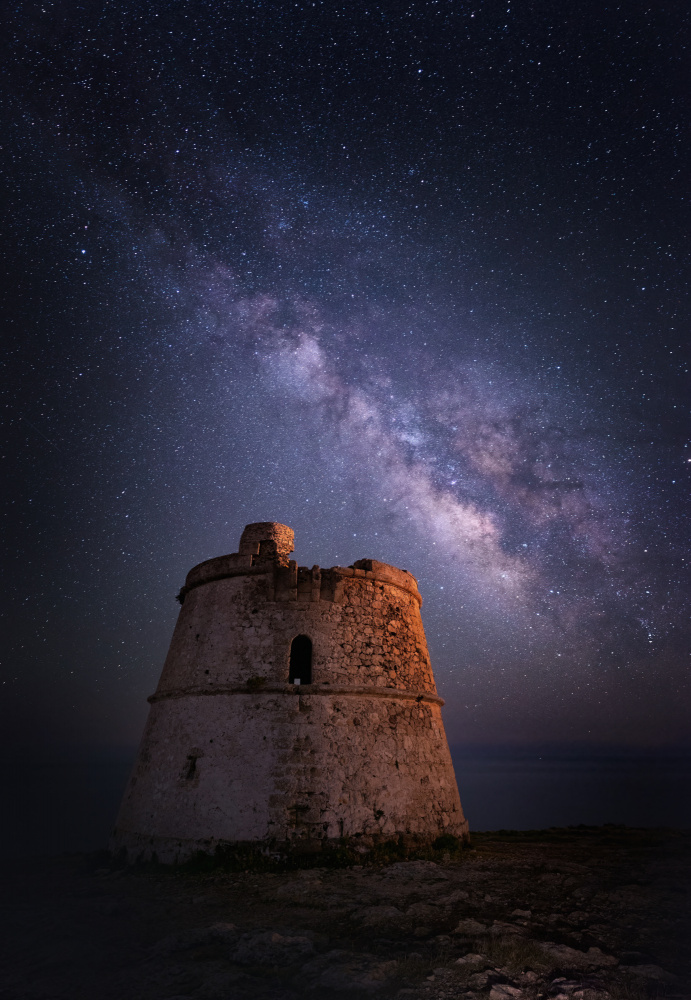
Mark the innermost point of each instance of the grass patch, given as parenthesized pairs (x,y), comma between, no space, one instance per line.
(300,854)
(515,953)
(628,987)
(411,970)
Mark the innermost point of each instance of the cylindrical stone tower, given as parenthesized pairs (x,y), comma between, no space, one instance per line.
(296,706)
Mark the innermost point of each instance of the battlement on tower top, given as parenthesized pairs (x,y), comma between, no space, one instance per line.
(265,548)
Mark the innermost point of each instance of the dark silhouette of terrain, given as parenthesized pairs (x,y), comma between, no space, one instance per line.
(583,913)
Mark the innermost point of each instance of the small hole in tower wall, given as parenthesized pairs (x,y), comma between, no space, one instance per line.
(300,671)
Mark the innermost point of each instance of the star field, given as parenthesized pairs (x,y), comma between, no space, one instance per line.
(410,278)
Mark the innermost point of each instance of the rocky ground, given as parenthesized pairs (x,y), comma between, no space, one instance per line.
(588,914)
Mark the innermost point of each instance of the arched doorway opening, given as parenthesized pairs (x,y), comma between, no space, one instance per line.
(300,671)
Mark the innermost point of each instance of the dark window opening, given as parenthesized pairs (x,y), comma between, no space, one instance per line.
(191,770)
(300,660)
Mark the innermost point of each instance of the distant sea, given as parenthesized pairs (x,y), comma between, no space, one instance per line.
(68,803)
(532,789)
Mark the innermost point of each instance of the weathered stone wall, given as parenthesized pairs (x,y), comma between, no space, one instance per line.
(233,752)
(281,766)
(364,631)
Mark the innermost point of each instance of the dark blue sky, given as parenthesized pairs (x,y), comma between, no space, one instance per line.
(410,278)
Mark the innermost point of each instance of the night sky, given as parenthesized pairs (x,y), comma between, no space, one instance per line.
(410,278)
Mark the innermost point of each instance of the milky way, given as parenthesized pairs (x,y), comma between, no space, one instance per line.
(407,279)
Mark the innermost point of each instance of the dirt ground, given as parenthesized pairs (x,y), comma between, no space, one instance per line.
(588,914)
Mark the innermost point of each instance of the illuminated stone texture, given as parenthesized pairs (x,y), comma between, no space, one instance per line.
(232,752)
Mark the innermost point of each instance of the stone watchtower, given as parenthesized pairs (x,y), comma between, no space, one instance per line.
(295,706)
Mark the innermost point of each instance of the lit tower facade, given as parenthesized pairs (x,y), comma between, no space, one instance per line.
(296,707)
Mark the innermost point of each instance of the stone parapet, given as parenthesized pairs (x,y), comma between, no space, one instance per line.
(291,582)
